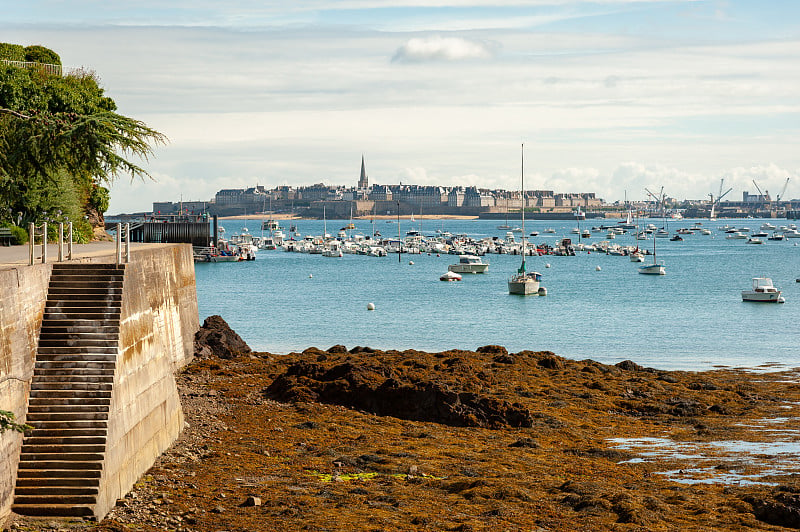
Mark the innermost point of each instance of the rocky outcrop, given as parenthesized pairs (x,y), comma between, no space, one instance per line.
(216,338)
(407,390)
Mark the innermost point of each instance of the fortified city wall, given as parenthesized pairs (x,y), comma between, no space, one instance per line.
(159,318)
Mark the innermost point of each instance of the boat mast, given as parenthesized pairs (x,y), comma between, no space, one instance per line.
(522,184)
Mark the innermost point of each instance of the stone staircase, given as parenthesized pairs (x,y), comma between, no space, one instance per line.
(61,461)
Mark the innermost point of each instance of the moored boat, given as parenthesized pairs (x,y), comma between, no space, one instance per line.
(450,276)
(763,291)
(469,264)
(523,282)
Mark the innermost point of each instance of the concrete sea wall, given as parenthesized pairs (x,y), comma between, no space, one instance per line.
(157,325)
(23,293)
(158,321)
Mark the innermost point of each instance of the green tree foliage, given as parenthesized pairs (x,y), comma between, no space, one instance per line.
(7,423)
(60,141)
(40,54)
(12,52)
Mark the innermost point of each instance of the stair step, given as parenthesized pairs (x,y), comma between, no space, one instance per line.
(54,302)
(77,386)
(23,491)
(52,408)
(68,424)
(43,458)
(54,499)
(32,417)
(75,377)
(85,338)
(97,324)
(86,466)
(84,284)
(78,330)
(76,354)
(76,474)
(83,295)
(68,440)
(77,341)
(54,481)
(70,394)
(55,432)
(64,365)
(54,510)
(88,266)
(81,314)
(28,449)
(66,372)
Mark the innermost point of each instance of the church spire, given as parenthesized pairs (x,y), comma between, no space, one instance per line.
(363,182)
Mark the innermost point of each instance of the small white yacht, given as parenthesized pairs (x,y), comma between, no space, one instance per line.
(763,292)
(469,264)
(736,235)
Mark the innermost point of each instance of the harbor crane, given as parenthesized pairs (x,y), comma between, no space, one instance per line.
(720,195)
(659,200)
(764,199)
(783,190)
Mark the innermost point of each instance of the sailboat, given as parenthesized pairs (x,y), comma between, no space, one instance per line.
(524,282)
(657,268)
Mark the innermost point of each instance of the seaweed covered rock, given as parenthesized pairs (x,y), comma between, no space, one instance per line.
(404,390)
(216,338)
(782,508)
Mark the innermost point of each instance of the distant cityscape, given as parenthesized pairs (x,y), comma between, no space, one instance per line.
(338,201)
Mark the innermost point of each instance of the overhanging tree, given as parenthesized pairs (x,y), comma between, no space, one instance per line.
(61,142)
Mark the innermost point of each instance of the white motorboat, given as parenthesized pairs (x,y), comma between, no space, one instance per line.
(791,233)
(549,230)
(754,240)
(637,256)
(763,292)
(469,264)
(736,235)
(450,276)
(766,226)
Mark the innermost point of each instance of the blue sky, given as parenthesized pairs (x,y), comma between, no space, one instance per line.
(609,96)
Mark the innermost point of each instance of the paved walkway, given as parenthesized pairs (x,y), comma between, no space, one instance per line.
(16,256)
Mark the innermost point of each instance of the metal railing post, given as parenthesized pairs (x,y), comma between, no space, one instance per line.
(60,241)
(127,243)
(69,246)
(44,242)
(119,243)
(31,241)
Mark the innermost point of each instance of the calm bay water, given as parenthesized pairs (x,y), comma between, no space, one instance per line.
(691,318)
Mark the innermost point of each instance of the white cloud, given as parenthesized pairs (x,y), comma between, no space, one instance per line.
(439,48)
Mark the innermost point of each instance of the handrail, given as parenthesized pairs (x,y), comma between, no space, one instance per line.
(47,67)
(118,239)
(34,231)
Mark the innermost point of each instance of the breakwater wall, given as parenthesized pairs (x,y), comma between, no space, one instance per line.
(23,292)
(158,321)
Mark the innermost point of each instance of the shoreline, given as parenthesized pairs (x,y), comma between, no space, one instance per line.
(266,217)
(466,440)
